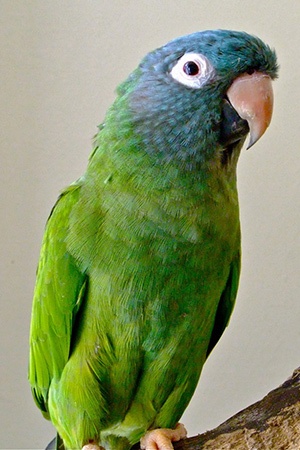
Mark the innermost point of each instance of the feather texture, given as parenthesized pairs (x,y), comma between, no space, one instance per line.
(140,260)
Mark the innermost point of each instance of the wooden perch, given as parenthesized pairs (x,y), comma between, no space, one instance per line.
(272,423)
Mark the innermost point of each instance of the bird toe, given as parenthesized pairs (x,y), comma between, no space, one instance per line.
(162,438)
(92,446)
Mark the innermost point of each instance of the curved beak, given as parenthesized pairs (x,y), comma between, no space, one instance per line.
(252,98)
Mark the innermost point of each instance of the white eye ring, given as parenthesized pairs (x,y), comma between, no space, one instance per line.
(193,70)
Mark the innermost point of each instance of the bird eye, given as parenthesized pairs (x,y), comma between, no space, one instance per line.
(193,70)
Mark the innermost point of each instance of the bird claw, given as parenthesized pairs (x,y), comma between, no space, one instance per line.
(92,446)
(162,438)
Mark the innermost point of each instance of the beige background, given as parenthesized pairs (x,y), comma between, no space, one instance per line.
(60,63)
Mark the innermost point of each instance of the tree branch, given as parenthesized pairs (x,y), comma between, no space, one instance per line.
(272,423)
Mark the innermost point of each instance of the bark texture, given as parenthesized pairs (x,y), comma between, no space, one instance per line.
(272,423)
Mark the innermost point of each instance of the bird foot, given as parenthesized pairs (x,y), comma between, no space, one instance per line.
(162,438)
(92,446)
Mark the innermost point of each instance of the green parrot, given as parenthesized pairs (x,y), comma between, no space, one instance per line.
(140,259)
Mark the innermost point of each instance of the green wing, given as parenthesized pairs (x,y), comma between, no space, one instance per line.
(226,303)
(59,291)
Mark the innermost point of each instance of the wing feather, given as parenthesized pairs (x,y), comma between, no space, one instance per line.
(59,291)
(226,304)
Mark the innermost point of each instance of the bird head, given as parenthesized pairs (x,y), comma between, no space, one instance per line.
(195,99)
(201,93)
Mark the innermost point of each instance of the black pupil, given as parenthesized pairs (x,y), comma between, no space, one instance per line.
(191,68)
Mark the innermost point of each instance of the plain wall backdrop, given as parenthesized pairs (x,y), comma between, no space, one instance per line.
(60,64)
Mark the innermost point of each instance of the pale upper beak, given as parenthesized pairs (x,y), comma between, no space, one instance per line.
(252,98)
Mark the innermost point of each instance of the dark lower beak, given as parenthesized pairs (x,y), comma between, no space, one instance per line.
(233,127)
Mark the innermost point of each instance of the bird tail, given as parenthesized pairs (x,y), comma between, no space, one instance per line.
(56,444)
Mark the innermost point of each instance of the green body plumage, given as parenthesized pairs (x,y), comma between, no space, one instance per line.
(140,259)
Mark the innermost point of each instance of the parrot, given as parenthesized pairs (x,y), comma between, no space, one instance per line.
(140,259)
